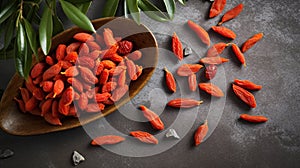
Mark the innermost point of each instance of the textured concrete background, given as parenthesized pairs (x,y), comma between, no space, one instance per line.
(273,62)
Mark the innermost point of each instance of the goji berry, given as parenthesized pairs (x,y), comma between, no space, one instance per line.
(201,33)
(87,75)
(107,140)
(47,86)
(210,71)
(51,119)
(225,32)
(135,55)
(119,92)
(83,101)
(73,47)
(188,69)
(93,45)
(37,70)
(213,60)
(211,89)
(253,119)
(31,104)
(244,95)
(216,8)
(240,56)
(58,87)
(192,82)
(83,50)
(38,94)
(216,49)
(131,69)
(144,137)
(170,81)
(200,133)
(250,42)
(52,71)
(153,118)
(21,104)
(83,37)
(61,52)
(108,37)
(184,103)
(49,60)
(104,76)
(177,46)
(246,84)
(125,47)
(109,86)
(232,13)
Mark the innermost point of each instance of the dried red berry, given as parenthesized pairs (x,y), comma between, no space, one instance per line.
(125,47)
(211,71)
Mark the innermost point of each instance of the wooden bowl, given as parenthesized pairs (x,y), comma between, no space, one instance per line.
(17,123)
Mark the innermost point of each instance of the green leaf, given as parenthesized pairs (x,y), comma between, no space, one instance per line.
(110,8)
(45,30)
(57,25)
(28,62)
(84,7)
(21,54)
(182,1)
(152,11)
(171,7)
(134,10)
(7,54)
(78,1)
(125,9)
(31,36)
(36,17)
(9,33)
(76,16)
(7,11)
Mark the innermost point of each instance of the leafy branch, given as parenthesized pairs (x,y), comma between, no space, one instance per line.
(25,30)
(133,7)
(20,21)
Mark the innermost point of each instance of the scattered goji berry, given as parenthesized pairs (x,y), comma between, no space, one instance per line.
(184,103)
(107,140)
(144,137)
(200,133)
(177,46)
(211,89)
(201,33)
(153,118)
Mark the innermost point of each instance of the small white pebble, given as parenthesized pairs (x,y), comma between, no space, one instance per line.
(77,158)
(172,133)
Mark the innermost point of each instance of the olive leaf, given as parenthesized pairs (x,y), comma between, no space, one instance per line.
(182,1)
(31,36)
(152,11)
(110,8)
(76,16)
(57,25)
(134,10)
(78,1)
(171,7)
(9,33)
(45,30)
(125,9)
(8,11)
(21,53)
(84,7)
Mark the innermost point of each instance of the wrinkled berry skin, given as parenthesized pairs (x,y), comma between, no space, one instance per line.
(211,71)
(125,47)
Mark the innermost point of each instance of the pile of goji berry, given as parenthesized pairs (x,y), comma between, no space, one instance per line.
(92,72)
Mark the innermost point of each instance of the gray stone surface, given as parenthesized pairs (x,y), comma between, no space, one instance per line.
(273,62)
